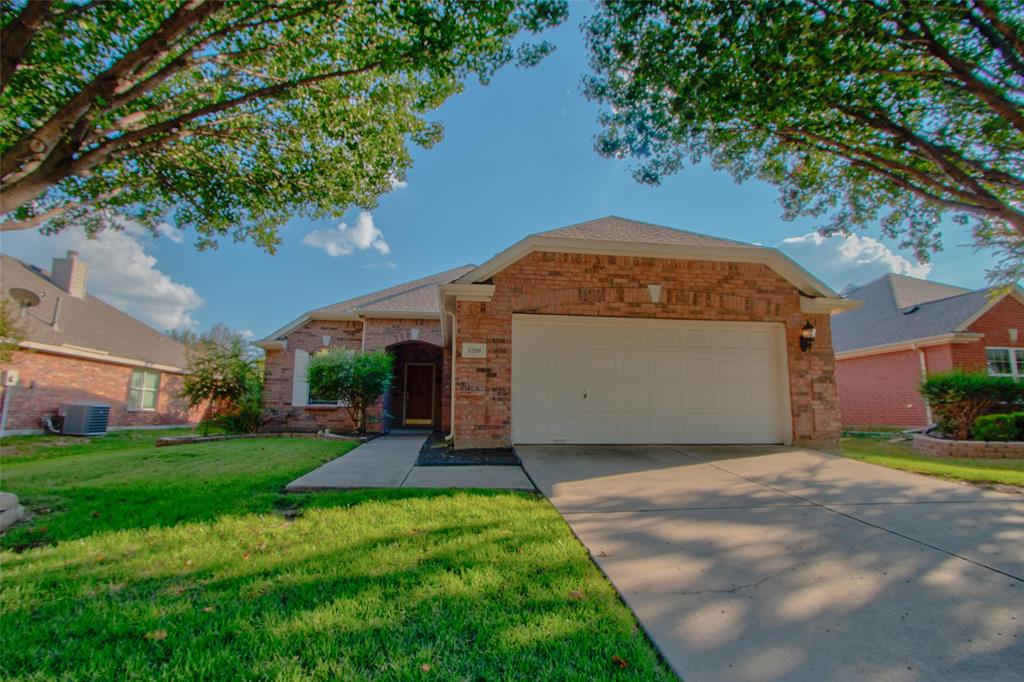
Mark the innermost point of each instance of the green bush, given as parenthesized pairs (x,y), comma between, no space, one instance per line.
(357,380)
(1001,427)
(958,398)
(226,379)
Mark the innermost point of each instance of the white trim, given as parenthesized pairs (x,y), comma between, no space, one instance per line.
(773,258)
(468,292)
(1015,291)
(912,344)
(102,356)
(300,380)
(923,361)
(828,306)
(405,390)
(778,332)
(398,314)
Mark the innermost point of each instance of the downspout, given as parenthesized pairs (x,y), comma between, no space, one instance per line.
(451,434)
(924,377)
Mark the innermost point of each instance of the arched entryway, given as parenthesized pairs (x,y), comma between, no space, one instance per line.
(415,399)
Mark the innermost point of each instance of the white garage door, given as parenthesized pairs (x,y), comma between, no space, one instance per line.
(615,380)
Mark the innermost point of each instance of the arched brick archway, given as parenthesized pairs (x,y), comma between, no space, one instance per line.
(415,400)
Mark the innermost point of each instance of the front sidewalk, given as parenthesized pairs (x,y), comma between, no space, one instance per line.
(390,462)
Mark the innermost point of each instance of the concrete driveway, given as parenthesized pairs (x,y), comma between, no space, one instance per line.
(766,563)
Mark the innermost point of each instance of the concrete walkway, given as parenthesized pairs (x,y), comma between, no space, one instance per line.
(764,564)
(390,462)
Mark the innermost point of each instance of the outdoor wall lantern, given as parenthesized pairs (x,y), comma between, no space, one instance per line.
(807,335)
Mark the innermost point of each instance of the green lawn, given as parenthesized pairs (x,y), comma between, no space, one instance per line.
(188,562)
(901,456)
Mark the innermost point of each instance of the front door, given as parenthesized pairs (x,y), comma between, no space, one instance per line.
(419,395)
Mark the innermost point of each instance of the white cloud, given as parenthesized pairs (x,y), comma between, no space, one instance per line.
(246,333)
(344,240)
(171,232)
(849,260)
(397,184)
(386,264)
(120,272)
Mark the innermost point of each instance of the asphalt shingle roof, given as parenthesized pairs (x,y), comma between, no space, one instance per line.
(898,308)
(614,228)
(419,295)
(84,323)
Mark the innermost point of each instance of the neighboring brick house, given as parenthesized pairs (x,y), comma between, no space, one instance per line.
(79,349)
(609,331)
(909,328)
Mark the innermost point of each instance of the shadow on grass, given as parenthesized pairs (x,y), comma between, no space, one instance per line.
(396,584)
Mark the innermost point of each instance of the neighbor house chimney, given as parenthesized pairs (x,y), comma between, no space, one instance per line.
(70,274)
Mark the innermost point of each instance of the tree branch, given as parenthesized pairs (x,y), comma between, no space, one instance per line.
(55,212)
(17,35)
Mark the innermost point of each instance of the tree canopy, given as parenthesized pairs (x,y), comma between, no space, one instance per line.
(231,117)
(896,111)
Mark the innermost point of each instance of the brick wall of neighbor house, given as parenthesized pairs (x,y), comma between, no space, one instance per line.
(279,370)
(1005,315)
(881,390)
(616,286)
(47,381)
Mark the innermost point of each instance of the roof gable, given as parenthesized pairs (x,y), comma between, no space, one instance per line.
(417,298)
(613,235)
(616,229)
(909,291)
(85,324)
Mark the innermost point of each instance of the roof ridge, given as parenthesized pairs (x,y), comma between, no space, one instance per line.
(649,224)
(382,295)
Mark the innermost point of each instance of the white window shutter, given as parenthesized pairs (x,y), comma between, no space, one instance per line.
(300,380)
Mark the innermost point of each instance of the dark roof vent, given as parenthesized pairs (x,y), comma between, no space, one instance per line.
(911,310)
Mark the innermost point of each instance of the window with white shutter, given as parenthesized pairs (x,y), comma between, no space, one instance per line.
(300,378)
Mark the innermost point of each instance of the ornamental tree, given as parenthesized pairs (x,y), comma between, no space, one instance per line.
(895,111)
(225,375)
(231,117)
(355,379)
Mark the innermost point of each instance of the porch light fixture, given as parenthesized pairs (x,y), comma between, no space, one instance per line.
(807,335)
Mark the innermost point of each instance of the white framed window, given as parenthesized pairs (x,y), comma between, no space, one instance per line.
(143,391)
(1005,362)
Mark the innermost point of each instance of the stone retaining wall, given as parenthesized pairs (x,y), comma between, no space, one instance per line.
(980,449)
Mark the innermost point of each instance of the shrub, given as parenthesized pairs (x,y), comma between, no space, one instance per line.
(1001,427)
(958,398)
(224,376)
(357,380)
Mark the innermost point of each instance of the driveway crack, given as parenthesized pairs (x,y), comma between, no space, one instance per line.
(747,586)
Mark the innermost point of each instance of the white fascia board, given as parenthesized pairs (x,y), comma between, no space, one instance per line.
(771,257)
(398,314)
(468,292)
(911,344)
(99,355)
(1015,292)
(827,306)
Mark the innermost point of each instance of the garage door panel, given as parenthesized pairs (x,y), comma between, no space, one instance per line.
(653,381)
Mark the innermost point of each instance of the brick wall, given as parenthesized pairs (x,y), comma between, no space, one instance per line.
(383,332)
(47,381)
(994,324)
(881,390)
(280,368)
(616,286)
(380,333)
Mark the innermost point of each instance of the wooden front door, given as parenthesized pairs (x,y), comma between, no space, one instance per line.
(419,394)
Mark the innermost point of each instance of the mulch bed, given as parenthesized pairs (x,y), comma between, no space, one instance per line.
(437,452)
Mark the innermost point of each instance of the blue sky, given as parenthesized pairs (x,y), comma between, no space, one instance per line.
(517,158)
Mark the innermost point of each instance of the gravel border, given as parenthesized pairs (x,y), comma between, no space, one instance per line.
(437,452)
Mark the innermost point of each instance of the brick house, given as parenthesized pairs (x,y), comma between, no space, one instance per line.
(909,328)
(609,331)
(78,349)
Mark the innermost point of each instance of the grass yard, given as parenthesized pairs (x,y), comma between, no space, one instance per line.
(901,456)
(188,562)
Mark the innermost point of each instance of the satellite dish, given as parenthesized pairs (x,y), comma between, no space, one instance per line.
(25,298)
